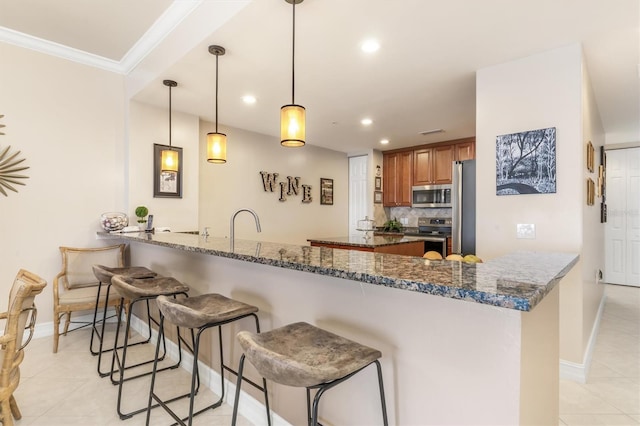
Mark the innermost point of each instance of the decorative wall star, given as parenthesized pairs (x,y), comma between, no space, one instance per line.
(9,166)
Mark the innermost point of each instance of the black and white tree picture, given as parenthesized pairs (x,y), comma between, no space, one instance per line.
(526,162)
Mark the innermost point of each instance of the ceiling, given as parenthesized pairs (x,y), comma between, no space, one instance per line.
(421,78)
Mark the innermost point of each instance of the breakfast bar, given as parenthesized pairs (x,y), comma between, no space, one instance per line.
(461,343)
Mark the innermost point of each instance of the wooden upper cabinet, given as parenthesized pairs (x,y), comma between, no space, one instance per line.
(397,178)
(442,164)
(465,151)
(422,169)
(406,173)
(421,165)
(432,165)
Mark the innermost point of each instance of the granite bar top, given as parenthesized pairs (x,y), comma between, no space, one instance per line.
(361,241)
(518,280)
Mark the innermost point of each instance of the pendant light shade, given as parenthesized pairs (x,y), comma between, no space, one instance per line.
(292,116)
(216,142)
(292,128)
(216,148)
(169,157)
(169,160)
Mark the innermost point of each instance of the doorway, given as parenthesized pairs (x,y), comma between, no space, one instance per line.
(622,229)
(357,191)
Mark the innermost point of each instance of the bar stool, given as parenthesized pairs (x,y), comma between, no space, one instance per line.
(104,275)
(302,355)
(201,313)
(137,290)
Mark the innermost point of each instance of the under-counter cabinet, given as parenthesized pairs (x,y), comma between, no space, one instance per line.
(398,175)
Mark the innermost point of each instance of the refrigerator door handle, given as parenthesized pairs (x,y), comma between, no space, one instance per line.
(456,208)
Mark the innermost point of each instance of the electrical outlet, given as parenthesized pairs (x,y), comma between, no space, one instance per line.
(526,230)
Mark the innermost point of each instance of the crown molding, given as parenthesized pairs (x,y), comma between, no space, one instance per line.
(167,22)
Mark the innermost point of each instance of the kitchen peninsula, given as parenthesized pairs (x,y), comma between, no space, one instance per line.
(479,336)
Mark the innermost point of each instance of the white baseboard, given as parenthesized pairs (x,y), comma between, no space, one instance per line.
(249,408)
(580,372)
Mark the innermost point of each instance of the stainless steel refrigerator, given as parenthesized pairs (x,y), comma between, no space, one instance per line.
(463,207)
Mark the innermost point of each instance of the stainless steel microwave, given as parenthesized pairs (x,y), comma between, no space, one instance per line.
(433,196)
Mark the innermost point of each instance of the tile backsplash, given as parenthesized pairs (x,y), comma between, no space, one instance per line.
(411,214)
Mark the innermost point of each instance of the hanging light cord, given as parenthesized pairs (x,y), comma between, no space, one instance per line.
(293,57)
(169,116)
(217,93)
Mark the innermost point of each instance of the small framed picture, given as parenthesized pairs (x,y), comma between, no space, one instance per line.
(166,184)
(378,183)
(590,156)
(326,191)
(377,197)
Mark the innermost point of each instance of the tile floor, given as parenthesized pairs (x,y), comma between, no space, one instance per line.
(64,389)
(611,395)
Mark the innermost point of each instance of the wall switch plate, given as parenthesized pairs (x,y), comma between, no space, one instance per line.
(526,230)
(404,220)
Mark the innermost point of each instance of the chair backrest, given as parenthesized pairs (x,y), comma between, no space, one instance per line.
(77,263)
(21,309)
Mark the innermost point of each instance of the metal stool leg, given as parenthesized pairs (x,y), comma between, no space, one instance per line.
(121,364)
(195,379)
(234,418)
(382,401)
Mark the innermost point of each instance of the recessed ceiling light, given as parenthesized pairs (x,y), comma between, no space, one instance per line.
(249,99)
(370,46)
(384,141)
(366,121)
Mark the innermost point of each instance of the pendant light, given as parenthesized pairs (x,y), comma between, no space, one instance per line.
(169,157)
(292,116)
(216,142)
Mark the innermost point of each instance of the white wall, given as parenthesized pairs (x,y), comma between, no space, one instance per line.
(149,125)
(540,91)
(224,188)
(593,256)
(68,122)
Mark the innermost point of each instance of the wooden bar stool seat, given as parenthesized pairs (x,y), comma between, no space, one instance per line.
(303,355)
(104,275)
(200,313)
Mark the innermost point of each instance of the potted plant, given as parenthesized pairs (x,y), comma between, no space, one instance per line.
(392,225)
(141,213)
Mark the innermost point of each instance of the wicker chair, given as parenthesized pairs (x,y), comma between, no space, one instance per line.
(75,288)
(21,312)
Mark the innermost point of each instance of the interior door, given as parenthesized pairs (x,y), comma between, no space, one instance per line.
(357,192)
(622,230)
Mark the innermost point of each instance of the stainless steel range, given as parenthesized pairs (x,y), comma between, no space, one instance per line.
(434,230)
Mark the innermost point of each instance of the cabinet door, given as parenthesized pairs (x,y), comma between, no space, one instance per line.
(442,163)
(389,179)
(465,151)
(405,178)
(422,159)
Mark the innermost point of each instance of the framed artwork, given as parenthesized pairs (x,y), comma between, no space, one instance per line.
(166,184)
(378,183)
(377,197)
(590,156)
(526,162)
(326,191)
(591,191)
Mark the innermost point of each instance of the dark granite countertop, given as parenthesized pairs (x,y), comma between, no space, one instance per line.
(517,281)
(361,241)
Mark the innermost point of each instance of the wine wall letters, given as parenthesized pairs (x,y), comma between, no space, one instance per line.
(290,187)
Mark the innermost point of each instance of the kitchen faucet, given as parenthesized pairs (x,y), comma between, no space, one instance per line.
(233,220)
